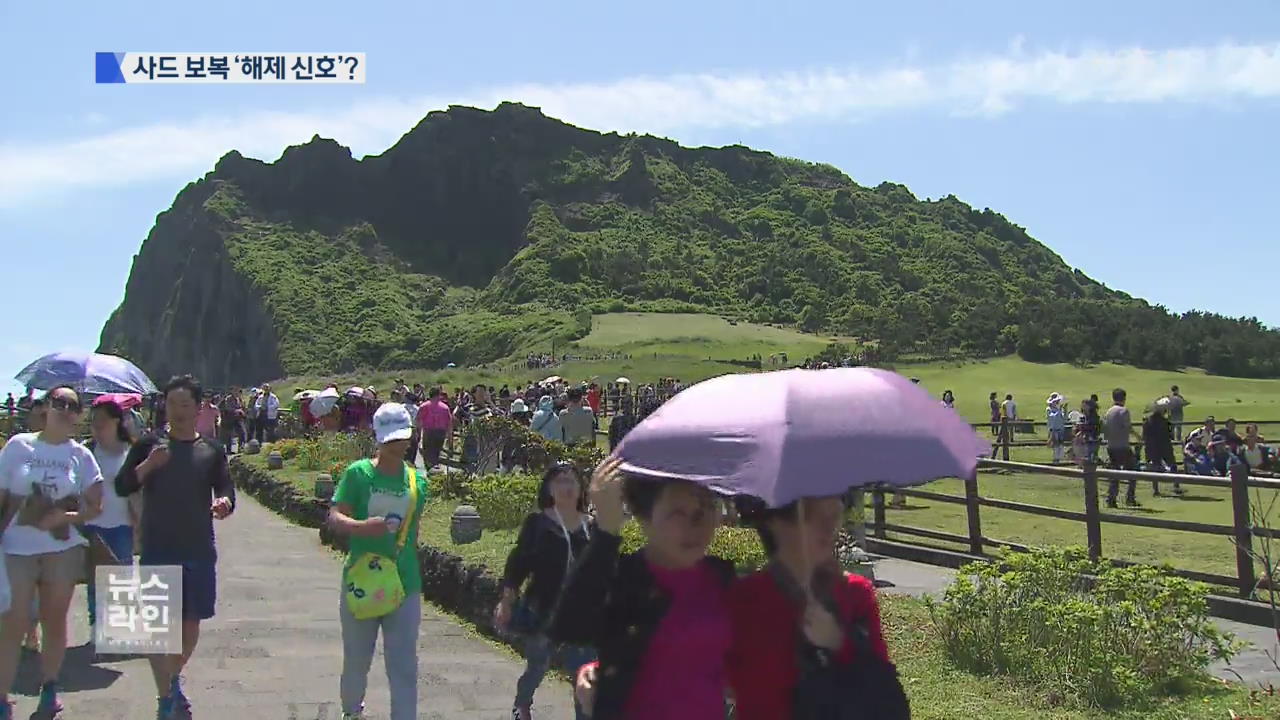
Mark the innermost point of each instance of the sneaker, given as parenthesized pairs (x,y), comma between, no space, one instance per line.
(181,705)
(48,706)
(164,708)
(521,712)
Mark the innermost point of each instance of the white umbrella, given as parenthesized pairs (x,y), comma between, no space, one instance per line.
(325,402)
(552,379)
(356,391)
(306,395)
(623,381)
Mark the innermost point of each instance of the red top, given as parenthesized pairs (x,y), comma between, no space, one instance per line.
(593,400)
(682,674)
(307,418)
(762,662)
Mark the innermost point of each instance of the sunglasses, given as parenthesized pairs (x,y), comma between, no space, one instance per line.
(64,404)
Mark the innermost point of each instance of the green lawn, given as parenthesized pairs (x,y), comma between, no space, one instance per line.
(1185,550)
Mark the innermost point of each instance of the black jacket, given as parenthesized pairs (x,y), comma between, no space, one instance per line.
(613,603)
(541,556)
(1157,436)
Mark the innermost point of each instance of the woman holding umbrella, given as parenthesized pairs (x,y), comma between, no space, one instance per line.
(795,442)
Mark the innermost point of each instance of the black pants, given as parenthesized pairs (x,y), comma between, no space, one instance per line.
(1122,459)
(411,455)
(432,444)
(266,431)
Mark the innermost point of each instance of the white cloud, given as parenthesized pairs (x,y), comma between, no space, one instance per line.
(990,85)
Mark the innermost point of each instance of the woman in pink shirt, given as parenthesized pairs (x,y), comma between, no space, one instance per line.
(658,617)
(207,418)
(435,419)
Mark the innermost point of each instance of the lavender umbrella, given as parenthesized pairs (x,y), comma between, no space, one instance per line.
(92,373)
(790,434)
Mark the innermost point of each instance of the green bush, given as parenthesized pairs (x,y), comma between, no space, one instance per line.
(740,545)
(1133,634)
(451,485)
(324,452)
(503,501)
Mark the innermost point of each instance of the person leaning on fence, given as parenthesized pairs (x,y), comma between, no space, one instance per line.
(1117,426)
(1254,454)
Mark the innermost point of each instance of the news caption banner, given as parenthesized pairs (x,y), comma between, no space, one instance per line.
(224,68)
(143,610)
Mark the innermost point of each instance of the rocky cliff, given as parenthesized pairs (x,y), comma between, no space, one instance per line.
(482,233)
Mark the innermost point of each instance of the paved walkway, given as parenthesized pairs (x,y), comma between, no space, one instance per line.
(1253,666)
(274,651)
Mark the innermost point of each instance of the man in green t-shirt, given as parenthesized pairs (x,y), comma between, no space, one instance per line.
(371,503)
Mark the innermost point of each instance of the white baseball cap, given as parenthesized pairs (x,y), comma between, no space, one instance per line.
(391,422)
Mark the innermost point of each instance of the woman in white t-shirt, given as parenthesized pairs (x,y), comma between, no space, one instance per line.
(111,442)
(48,484)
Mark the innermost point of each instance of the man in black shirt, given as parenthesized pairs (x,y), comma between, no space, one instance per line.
(185,484)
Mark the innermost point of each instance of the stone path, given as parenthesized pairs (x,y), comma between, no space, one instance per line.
(1252,666)
(274,650)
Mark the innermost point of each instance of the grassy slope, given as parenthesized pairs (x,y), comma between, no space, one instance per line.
(937,691)
(683,342)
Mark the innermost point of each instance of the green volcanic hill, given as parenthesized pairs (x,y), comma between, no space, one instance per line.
(482,233)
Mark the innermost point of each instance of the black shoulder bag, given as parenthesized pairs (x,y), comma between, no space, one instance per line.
(866,688)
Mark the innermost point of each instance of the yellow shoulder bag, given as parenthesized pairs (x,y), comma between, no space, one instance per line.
(372,583)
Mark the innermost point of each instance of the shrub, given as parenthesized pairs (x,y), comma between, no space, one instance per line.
(1131,634)
(740,545)
(323,452)
(288,448)
(503,501)
(451,485)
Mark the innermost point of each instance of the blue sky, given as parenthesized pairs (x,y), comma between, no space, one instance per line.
(1137,139)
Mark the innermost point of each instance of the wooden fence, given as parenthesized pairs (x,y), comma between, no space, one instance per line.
(1004,435)
(1242,530)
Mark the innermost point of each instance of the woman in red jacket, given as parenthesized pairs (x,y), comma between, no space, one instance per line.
(801,602)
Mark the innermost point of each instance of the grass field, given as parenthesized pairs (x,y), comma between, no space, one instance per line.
(689,346)
(936,690)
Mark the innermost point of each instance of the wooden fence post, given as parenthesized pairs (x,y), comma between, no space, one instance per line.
(860,517)
(1243,528)
(877,510)
(1092,515)
(972,507)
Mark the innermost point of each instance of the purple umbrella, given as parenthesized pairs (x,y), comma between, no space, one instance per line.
(790,434)
(92,373)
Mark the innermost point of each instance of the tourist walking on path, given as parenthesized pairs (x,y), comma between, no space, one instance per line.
(545,421)
(803,594)
(49,483)
(114,527)
(232,427)
(378,504)
(577,422)
(208,417)
(657,617)
(1117,426)
(549,542)
(268,415)
(185,484)
(435,420)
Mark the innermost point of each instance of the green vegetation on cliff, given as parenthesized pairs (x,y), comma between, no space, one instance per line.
(482,233)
